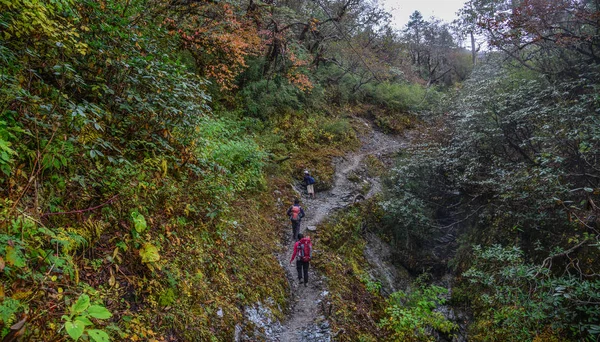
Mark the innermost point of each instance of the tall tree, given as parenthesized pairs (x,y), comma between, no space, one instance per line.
(433,50)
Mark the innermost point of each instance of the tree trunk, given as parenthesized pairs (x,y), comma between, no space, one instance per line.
(473,51)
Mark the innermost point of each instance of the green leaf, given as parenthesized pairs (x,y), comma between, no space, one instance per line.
(75,329)
(84,320)
(149,253)
(139,222)
(14,257)
(81,305)
(99,311)
(98,335)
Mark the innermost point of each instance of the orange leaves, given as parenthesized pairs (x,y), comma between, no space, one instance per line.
(300,80)
(312,25)
(294,74)
(219,38)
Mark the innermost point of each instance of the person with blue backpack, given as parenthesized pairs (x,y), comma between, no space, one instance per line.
(309,181)
(302,253)
(295,213)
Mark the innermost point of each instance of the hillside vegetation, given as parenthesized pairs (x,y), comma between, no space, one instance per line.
(508,175)
(144,146)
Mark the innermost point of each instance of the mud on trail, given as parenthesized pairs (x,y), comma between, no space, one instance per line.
(306,321)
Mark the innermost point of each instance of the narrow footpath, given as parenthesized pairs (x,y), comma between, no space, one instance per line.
(306,322)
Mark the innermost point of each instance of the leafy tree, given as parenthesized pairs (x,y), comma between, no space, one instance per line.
(433,50)
(219,36)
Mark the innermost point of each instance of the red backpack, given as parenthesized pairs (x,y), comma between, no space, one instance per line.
(304,249)
(295,213)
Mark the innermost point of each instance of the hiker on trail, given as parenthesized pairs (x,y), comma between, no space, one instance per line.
(296,213)
(302,253)
(309,181)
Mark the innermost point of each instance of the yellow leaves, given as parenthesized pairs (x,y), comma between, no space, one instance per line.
(42,22)
(82,48)
(149,253)
(188,209)
(139,331)
(88,134)
(169,213)
(21,295)
(111,280)
(164,167)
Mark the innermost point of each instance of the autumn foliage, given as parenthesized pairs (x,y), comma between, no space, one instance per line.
(219,37)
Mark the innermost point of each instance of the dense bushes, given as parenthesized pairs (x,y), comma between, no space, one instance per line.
(514,164)
(398,97)
(119,184)
(412,316)
(522,301)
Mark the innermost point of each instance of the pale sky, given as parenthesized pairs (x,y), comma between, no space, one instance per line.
(402,9)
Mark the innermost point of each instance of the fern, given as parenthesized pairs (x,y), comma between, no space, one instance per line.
(8,313)
(94,228)
(69,240)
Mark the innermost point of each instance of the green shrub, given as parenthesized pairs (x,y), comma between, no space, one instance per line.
(273,97)
(402,97)
(518,300)
(411,315)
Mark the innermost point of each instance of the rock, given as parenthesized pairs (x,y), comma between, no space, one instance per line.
(264,326)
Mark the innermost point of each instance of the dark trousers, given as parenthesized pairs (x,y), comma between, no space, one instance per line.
(302,267)
(295,230)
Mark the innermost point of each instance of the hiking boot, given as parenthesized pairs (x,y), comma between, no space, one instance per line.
(299,280)
(305,284)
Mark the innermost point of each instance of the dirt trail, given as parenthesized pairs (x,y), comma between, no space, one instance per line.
(306,322)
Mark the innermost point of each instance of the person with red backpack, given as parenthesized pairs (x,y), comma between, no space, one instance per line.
(295,213)
(302,253)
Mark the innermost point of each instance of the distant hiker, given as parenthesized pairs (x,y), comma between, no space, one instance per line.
(302,253)
(309,181)
(296,213)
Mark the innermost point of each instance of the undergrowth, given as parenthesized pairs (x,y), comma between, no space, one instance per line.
(311,141)
(357,305)
(359,310)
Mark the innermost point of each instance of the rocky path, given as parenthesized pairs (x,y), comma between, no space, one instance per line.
(306,322)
